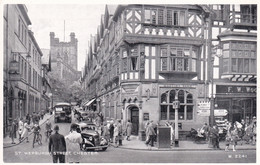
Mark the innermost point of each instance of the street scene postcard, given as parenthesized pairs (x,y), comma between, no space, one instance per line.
(129,83)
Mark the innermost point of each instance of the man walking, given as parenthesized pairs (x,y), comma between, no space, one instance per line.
(120,132)
(73,140)
(151,133)
(57,146)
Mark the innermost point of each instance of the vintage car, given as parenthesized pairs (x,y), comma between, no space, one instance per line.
(91,138)
(62,112)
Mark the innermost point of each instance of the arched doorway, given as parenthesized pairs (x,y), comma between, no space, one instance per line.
(134,117)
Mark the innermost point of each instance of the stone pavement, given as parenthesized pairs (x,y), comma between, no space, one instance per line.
(136,144)
(7,140)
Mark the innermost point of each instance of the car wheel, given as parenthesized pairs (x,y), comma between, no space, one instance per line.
(104,149)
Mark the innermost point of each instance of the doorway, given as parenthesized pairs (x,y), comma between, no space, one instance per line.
(134,111)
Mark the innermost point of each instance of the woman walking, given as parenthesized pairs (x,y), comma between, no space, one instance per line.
(116,135)
(20,128)
(25,131)
(234,136)
(128,130)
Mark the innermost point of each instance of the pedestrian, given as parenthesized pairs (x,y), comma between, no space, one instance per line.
(151,133)
(215,137)
(13,130)
(73,141)
(28,118)
(20,128)
(228,136)
(26,131)
(254,132)
(234,136)
(128,130)
(116,135)
(111,131)
(146,128)
(120,132)
(48,128)
(57,146)
(205,131)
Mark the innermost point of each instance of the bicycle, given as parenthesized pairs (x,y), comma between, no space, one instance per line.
(37,138)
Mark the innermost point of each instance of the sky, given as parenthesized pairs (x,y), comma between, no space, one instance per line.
(83,19)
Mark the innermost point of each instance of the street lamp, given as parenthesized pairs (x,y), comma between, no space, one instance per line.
(216,52)
(176,106)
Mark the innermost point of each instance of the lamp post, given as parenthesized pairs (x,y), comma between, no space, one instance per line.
(176,106)
(212,90)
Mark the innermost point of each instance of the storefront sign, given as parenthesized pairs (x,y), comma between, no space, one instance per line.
(146,116)
(235,89)
(14,67)
(178,86)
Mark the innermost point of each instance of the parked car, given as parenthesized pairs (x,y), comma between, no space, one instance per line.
(91,138)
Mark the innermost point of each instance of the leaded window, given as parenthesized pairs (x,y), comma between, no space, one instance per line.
(185,112)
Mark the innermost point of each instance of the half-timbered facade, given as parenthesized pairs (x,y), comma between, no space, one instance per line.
(234,34)
(144,57)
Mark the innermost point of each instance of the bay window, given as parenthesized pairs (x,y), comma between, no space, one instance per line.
(179,59)
(241,56)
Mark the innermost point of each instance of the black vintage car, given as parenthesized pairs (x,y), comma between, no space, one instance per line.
(91,138)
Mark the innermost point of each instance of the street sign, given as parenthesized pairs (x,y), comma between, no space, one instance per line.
(203,112)
(175,104)
(217,112)
(220,112)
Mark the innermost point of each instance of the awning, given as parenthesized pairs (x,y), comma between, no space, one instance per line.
(90,102)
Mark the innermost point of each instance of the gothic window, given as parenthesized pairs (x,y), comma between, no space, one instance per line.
(185,112)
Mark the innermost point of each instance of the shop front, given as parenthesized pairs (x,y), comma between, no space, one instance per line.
(238,100)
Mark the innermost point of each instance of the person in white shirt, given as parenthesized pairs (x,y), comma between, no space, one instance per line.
(73,141)
(20,128)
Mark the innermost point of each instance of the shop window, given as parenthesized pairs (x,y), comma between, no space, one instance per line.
(172,95)
(181,96)
(186,105)
(189,98)
(164,98)
(189,112)
(181,112)
(172,113)
(164,112)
